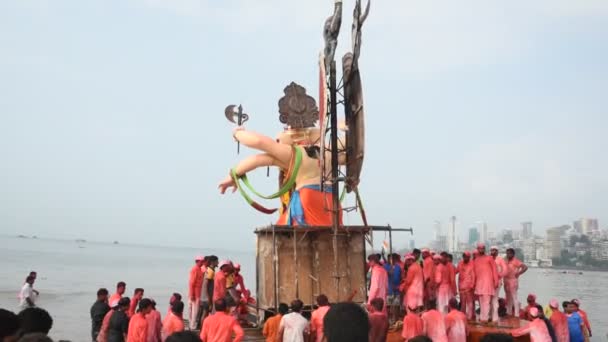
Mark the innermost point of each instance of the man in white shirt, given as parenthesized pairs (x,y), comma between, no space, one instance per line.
(294,327)
(27,296)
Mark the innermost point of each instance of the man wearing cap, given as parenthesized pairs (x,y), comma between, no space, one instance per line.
(379,280)
(428,271)
(444,285)
(536,328)
(559,321)
(501,268)
(138,325)
(195,284)
(413,286)
(466,285)
(514,269)
(98,311)
(486,281)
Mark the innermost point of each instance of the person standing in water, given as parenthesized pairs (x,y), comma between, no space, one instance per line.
(27,297)
(583,314)
(120,290)
(576,326)
(119,322)
(174,321)
(138,294)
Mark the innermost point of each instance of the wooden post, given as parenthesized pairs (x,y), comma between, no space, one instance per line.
(335,185)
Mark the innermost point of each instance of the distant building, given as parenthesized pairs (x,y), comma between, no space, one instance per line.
(599,250)
(473,235)
(412,244)
(452,237)
(483,232)
(529,248)
(526,230)
(587,226)
(553,241)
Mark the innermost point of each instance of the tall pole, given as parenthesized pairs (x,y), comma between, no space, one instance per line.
(335,191)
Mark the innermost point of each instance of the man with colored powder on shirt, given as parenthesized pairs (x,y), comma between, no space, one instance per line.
(536,328)
(541,315)
(154,324)
(428,271)
(444,285)
(456,323)
(583,314)
(514,269)
(412,324)
(138,294)
(559,321)
(378,322)
(195,285)
(576,325)
(120,290)
(220,281)
(434,323)
(466,285)
(413,286)
(316,318)
(174,321)
(452,269)
(271,327)
(379,280)
(486,281)
(501,268)
(220,326)
(531,300)
(138,325)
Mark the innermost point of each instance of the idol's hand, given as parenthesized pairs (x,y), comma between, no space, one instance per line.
(227,183)
(236,130)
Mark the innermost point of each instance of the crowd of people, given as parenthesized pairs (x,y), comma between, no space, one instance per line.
(426,285)
(426,296)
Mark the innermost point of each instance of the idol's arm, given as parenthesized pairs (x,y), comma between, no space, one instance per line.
(246,165)
(280,152)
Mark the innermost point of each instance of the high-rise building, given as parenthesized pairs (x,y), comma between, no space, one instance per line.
(553,243)
(589,226)
(473,235)
(412,244)
(526,229)
(436,230)
(452,237)
(483,232)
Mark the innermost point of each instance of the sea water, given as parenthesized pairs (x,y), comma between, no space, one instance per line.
(70,273)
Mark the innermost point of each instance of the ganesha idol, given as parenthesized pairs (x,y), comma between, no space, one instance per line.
(305,201)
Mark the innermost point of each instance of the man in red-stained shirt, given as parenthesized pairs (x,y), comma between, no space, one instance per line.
(220,326)
(195,284)
(466,285)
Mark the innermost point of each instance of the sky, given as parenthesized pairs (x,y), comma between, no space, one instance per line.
(112,124)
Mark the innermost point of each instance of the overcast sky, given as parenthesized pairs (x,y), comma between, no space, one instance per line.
(112,125)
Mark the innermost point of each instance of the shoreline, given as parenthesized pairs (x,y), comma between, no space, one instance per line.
(573,268)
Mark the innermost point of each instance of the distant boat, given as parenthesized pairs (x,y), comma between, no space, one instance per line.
(116,242)
(22,236)
(34,237)
(81,240)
